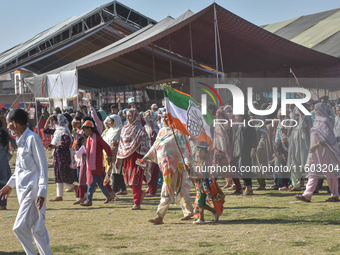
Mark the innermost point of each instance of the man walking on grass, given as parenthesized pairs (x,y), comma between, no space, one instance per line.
(30,179)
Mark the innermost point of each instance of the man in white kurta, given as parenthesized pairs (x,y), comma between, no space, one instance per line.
(30,180)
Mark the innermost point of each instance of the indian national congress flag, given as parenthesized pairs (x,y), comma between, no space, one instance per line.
(184,112)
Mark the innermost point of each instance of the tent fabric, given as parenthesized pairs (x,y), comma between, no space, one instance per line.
(319,31)
(54,86)
(245,48)
(63,85)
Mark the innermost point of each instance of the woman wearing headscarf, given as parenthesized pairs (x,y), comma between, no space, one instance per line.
(298,146)
(152,130)
(115,125)
(223,142)
(5,170)
(169,155)
(61,144)
(134,144)
(323,157)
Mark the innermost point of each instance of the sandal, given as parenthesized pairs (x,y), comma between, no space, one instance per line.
(56,199)
(199,222)
(136,207)
(188,217)
(292,190)
(332,199)
(284,188)
(156,221)
(233,187)
(302,198)
(237,192)
(86,203)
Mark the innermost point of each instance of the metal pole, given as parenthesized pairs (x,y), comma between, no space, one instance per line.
(192,61)
(170,59)
(23,94)
(216,50)
(154,74)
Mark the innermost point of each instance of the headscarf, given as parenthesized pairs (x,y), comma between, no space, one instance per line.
(133,137)
(231,116)
(103,114)
(61,129)
(153,117)
(222,111)
(323,125)
(112,132)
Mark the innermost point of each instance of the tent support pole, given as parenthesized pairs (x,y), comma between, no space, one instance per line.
(36,115)
(192,61)
(170,59)
(154,74)
(317,83)
(216,50)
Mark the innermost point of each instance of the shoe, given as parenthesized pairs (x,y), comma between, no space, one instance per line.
(150,195)
(3,208)
(216,217)
(136,207)
(56,199)
(122,193)
(198,222)
(156,221)
(86,203)
(261,188)
(188,217)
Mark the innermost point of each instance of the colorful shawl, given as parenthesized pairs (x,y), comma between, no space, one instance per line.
(133,137)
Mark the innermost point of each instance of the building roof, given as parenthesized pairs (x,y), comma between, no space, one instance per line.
(319,31)
(74,38)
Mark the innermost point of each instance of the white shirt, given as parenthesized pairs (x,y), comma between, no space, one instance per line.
(31,169)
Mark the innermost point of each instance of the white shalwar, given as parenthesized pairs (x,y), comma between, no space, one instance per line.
(30,180)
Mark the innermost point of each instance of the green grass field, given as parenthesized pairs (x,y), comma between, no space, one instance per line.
(265,223)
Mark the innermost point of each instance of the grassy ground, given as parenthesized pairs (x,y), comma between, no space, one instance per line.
(266,223)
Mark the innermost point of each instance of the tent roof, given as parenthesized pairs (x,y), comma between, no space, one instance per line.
(319,31)
(245,48)
(73,38)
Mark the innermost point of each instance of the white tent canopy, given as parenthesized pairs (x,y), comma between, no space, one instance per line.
(63,85)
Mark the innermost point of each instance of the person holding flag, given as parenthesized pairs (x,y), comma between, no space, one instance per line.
(171,152)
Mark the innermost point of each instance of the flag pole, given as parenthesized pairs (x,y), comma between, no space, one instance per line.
(173,132)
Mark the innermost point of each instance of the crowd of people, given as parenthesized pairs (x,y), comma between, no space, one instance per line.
(109,150)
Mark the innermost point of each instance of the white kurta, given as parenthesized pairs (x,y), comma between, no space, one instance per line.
(30,180)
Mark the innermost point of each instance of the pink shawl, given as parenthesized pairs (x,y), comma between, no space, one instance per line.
(133,137)
(91,153)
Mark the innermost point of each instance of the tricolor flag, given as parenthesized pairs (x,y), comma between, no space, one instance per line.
(184,112)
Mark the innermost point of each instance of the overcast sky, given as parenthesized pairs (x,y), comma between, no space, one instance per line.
(20,20)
